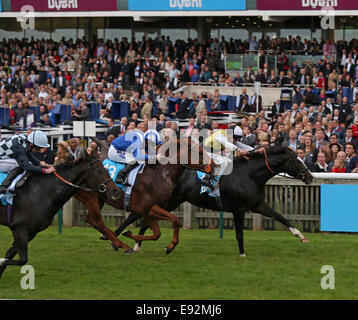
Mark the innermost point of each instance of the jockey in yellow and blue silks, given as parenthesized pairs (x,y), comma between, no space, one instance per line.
(218,142)
(131,149)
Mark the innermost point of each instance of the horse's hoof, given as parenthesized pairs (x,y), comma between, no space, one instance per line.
(137,248)
(242,254)
(129,251)
(167,250)
(103,237)
(115,248)
(127,233)
(305,240)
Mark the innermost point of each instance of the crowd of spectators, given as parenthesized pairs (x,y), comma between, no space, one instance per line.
(322,128)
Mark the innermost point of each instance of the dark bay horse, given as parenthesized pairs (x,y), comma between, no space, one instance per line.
(241,191)
(42,196)
(153,189)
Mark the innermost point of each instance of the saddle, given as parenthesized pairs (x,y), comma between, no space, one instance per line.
(10,181)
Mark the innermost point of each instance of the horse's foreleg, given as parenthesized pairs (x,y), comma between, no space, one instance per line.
(94,218)
(161,214)
(20,246)
(239,219)
(265,210)
(131,219)
(11,253)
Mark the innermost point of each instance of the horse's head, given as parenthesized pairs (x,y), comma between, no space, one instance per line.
(97,177)
(188,153)
(295,167)
(282,160)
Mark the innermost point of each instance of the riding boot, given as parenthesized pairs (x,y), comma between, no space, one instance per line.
(23,180)
(207,181)
(123,174)
(10,177)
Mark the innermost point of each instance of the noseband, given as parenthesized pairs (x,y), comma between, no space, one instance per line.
(101,187)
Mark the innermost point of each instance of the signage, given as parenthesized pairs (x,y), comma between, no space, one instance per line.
(186,5)
(338,209)
(307,4)
(65,5)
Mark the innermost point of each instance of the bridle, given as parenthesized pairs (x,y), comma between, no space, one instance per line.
(100,188)
(299,175)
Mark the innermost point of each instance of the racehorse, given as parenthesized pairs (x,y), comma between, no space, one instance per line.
(36,203)
(153,188)
(241,191)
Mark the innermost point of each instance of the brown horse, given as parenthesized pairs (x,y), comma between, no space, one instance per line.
(152,191)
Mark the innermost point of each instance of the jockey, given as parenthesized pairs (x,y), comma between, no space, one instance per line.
(15,156)
(130,149)
(218,141)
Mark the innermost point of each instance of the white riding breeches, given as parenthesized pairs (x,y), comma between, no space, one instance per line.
(120,156)
(225,164)
(6,165)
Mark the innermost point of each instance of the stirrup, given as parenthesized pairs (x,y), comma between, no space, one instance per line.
(122,179)
(207,183)
(4,190)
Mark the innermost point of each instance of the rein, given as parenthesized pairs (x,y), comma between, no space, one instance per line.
(266,162)
(101,188)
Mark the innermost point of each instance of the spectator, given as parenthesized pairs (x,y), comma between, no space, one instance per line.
(352,166)
(321,165)
(62,155)
(350,151)
(338,166)
(147,107)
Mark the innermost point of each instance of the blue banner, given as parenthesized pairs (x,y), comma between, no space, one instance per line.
(339,211)
(186,5)
(0,6)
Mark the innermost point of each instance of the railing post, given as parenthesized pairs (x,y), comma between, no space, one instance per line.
(69,213)
(256,222)
(187,215)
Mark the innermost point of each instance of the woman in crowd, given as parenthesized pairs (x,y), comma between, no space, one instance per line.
(62,155)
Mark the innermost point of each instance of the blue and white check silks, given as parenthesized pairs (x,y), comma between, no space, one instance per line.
(113,169)
(8,198)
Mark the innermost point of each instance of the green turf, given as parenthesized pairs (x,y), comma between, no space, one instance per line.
(75,265)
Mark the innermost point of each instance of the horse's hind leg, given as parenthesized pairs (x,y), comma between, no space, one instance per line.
(153,225)
(143,228)
(265,210)
(161,214)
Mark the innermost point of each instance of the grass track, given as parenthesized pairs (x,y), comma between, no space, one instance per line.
(75,265)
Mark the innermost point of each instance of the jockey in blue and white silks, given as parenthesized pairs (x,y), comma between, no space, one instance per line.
(131,149)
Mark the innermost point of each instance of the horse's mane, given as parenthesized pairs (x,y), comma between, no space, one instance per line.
(70,164)
(269,151)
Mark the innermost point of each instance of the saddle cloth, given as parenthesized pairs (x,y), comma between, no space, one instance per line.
(114,168)
(216,192)
(7,198)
